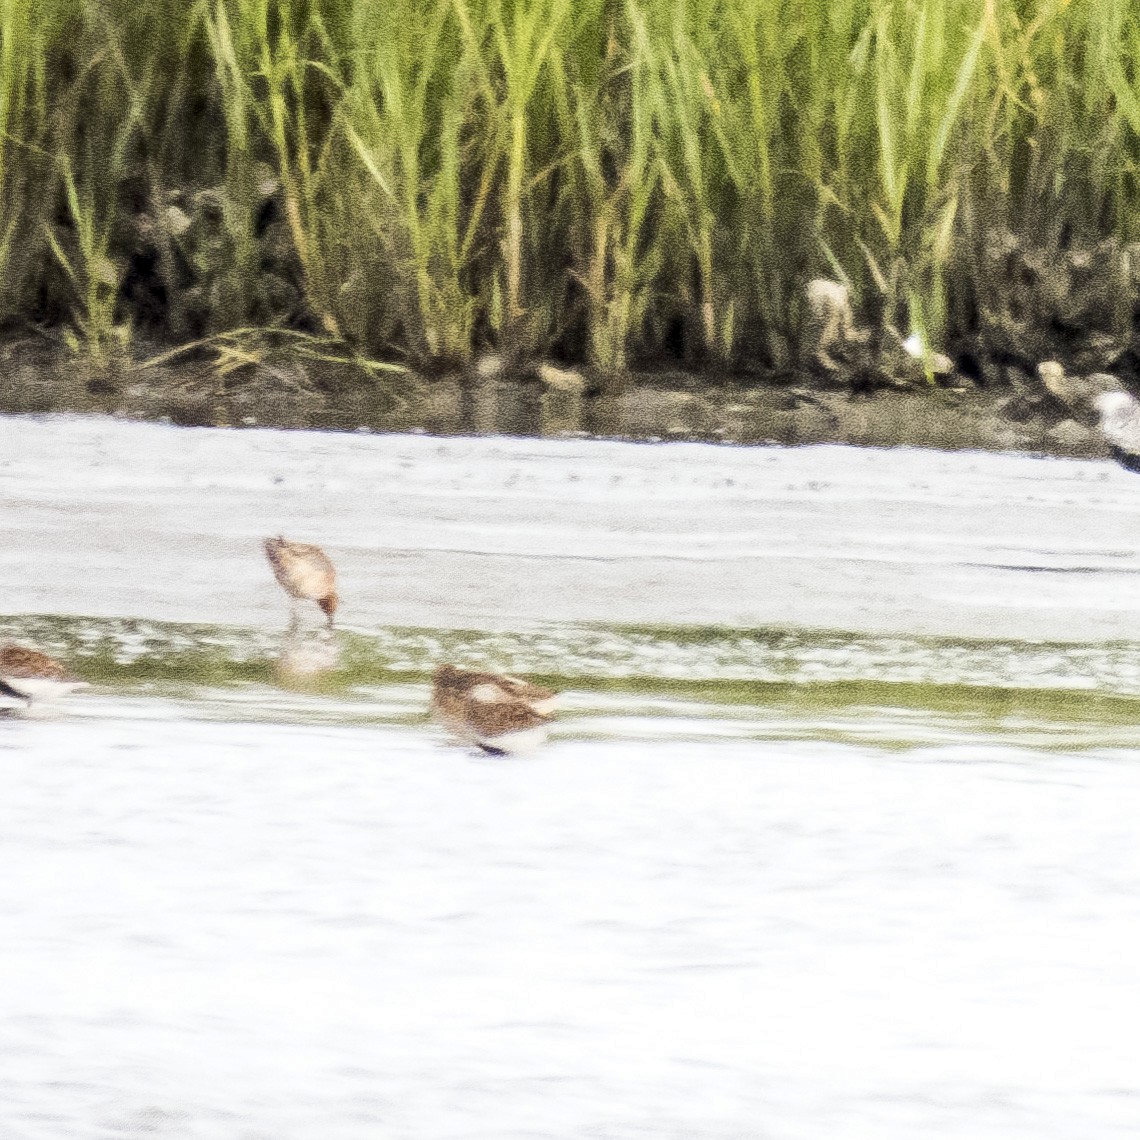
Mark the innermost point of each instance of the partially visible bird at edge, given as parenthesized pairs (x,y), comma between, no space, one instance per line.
(28,675)
(1120,425)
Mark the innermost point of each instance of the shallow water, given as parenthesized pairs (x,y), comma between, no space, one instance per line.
(508,533)
(835,835)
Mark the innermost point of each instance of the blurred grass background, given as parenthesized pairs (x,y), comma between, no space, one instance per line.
(595,181)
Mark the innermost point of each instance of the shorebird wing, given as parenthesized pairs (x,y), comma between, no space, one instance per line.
(467,689)
(489,692)
(502,717)
(17,662)
(540,699)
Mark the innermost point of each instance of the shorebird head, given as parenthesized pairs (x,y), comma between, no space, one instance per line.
(447,676)
(329,603)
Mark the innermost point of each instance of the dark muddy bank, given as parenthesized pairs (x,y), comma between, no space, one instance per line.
(1015,413)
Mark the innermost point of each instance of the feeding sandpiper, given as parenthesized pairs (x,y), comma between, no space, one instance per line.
(305,573)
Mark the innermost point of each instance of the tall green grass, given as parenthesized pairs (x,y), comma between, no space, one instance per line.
(604,181)
(28,103)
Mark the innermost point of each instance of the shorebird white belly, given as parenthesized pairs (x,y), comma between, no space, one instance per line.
(515,743)
(44,688)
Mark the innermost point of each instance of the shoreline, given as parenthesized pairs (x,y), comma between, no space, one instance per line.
(553,402)
(137,520)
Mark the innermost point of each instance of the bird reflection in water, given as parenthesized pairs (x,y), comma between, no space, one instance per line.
(305,660)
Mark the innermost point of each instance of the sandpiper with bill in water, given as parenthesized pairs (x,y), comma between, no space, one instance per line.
(306,573)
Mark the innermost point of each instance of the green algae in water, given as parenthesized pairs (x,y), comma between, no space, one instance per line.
(761,682)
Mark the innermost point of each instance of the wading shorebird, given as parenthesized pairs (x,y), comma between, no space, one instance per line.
(498,714)
(305,573)
(28,675)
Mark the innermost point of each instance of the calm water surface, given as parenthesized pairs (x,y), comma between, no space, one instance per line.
(836,836)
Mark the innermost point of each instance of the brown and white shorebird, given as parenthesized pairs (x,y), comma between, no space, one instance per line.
(28,675)
(498,714)
(305,573)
